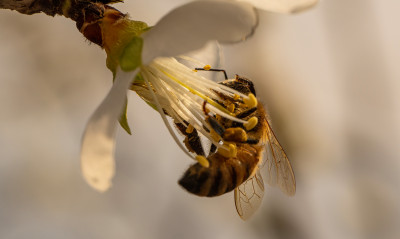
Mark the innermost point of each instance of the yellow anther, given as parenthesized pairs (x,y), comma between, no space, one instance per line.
(236,97)
(229,151)
(189,129)
(194,70)
(251,123)
(251,101)
(231,107)
(215,136)
(202,161)
(235,135)
(207,67)
(232,150)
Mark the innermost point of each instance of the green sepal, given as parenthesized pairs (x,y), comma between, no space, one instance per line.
(140,81)
(123,119)
(130,59)
(131,56)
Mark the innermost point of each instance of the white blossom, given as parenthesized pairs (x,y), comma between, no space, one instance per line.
(184,29)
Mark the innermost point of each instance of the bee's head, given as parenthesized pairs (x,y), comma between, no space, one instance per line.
(241,84)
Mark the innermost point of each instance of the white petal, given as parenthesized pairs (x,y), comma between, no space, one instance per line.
(211,55)
(283,6)
(191,26)
(97,155)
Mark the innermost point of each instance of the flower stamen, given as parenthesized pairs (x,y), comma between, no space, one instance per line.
(207,67)
(203,161)
(250,101)
(228,150)
(231,108)
(204,97)
(251,123)
(199,104)
(235,134)
(189,129)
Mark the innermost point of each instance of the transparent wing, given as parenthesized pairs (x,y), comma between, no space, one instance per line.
(280,171)
(248,196)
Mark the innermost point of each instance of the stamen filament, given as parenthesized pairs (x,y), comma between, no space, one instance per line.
(210,101)
(189,99)
(223,114)
(160,110)
(179,69)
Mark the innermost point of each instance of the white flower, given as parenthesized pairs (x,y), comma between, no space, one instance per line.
(189,98)
(179,90)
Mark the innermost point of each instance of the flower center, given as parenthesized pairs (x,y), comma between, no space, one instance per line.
(198,104)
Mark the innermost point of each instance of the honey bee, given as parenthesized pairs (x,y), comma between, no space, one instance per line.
(241,172)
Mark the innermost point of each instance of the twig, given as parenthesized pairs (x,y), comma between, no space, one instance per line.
(86,13)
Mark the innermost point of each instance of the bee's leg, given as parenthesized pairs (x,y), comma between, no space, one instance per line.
(252,141)
(213,149)
(192,139)
(212,69)
(217,127)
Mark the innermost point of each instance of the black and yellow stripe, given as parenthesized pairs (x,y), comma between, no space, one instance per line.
(223,175)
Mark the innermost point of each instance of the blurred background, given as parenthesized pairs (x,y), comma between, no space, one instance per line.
(329,77)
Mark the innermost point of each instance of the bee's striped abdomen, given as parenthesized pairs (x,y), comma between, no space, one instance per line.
(223,175)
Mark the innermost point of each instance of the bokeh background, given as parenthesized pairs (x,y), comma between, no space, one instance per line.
(329,77)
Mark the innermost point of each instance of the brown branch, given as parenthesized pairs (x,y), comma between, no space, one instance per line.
(29,7)
(86,13)
(67,8)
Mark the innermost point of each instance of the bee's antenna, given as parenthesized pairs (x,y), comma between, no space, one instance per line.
(212,69)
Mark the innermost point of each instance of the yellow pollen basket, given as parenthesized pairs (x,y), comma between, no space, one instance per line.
(251,101)
(202,161)
(251,123)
